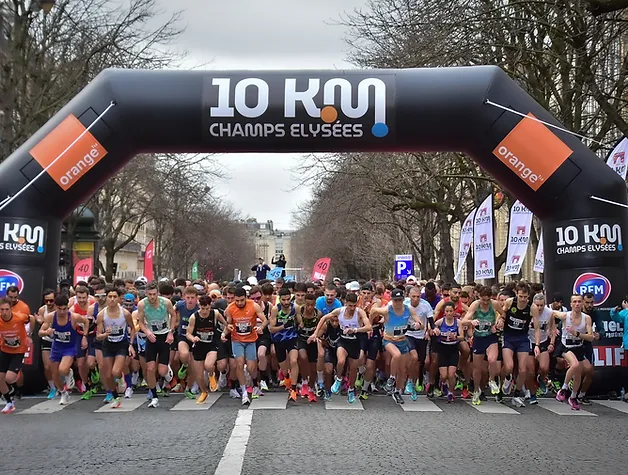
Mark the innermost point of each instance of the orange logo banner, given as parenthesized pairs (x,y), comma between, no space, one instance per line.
(76,161)
(532,151)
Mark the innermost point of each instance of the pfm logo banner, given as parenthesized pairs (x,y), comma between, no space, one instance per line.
(22,237)
(300,107)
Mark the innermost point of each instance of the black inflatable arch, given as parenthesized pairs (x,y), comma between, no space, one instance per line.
(128,112)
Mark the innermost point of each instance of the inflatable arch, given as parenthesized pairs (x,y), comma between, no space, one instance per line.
(125,112)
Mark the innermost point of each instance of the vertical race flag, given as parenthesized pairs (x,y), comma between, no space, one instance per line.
(321,268)
(483,249)
(149,254)
(518,237)
(617,158)
(195,270)
(539,259)
(466,238)
(83,269)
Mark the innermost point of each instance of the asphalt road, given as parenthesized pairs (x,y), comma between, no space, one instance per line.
(373,437)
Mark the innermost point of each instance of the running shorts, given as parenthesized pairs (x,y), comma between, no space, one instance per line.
(61,350)
(89,351)
(481,343)
(448,355)
(310,348)
(201,350)
(419,345)
(351,346)
(282,348)
(578,351)
(543,346)
(517,343)
(10,362)
(158,351)
(331,356)
(114,349)
(375,346)
(401,345)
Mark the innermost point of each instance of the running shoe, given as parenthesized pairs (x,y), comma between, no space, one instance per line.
(257,392)
(557,385)
(69,380)
(286,383)
(527,394)
(430,391)
(438,392)
(507,386)
(245,399)
(397,397)
(135,378)
(335,388)
(213,383)
(222,381)
(128,392)
(459,385)
(177,388)
(409,387)
(81,387)
(280,376)
(499,398)
(115,404)
(413,395)
(418,387)
(9,408)
(539,392)
(52,393)
(234,394)
(570,385)
(359,381)
(542,386)
(584,401)
(494,386)
(262,385)
(465,394)
(95,376)
(65,398)
(195,389)
(320,392)
(351,396)
(483,396)
(327,395)
(311,397)
(144,384)
(390,385)
(304,390)
(561,396)
(201,398)
(121,385)
(183,372)
(154,402)
(163,393)
(364,395)
(574,404)
(189,394)
(108,398)
(450,396)
(533,400)
(293,395)
(518,401)
(476,398)
(87,395)
(345,384)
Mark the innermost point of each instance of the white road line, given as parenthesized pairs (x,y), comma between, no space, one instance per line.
(270,400)
(492,407)
(422,404)
(233,456)
(340,402)
(190,404)
(48,407)
(617,405)
(126,405)
(562,408)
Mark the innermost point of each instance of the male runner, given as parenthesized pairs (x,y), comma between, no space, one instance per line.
(417,341)
(62,324)
(112,324)
(482,314)
(262,296)
(588,304)
(369,300)
(577,327)
(85,352)
(184,309)
(366,301)
(352,321)
(309,353)
(547,327)
(13,345)
(17,305)
(396,319)
(516,326)
(284,333)
(155,315)
(46,341)
(242,316)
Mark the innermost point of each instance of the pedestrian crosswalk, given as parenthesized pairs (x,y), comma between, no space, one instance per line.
(279,401)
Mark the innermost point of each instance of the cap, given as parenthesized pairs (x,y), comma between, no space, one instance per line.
(353,286)
(129,298)
(411,280)
(397,294)
(216,292)
(199,287)
(336,279)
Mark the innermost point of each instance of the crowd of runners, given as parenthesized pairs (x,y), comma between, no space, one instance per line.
(316,340)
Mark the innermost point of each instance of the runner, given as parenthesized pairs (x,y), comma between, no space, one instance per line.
(45,341)
(17,305)
(263,342)
(417,341)
(309,353)
(284,333)
(242,316)
(482,314)
(184,309)
(352,321)
(85,352)
(588,305)
(62,325)
(112,324)
(449,331)
(92,312)
(516,326)
(155,315)
(13,345)
(577,327)
(547,329)
(370,343)
(396,318)
(202,332)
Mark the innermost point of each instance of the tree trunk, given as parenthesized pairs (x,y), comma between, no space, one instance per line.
(446,255)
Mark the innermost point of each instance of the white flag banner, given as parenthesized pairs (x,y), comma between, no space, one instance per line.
(466,238)
(617,158)
(518,237)
(539,259)
(483,248)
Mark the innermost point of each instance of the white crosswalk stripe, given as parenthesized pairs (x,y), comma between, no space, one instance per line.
(341,403)
(270,401)
(126,405)
(562,409)
(492,407)
(620,406)
(190,404)
(422,404)
(49,406)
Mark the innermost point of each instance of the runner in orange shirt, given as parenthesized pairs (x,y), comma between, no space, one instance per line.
(242,316)
(17,305)
(13,345)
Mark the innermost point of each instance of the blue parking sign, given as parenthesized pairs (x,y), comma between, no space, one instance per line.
(404,266)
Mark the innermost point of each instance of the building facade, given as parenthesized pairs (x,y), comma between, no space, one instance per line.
(270,243)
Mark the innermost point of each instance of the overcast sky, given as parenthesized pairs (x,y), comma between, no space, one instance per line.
(263,34)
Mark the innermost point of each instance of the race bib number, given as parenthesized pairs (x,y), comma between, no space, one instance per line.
(573,341)
(544,326)
(516,323)
(398,331)
(12,341)
(116,330)
(205,336)
(157,326)
(63,337)
(243,328)
(484,326)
